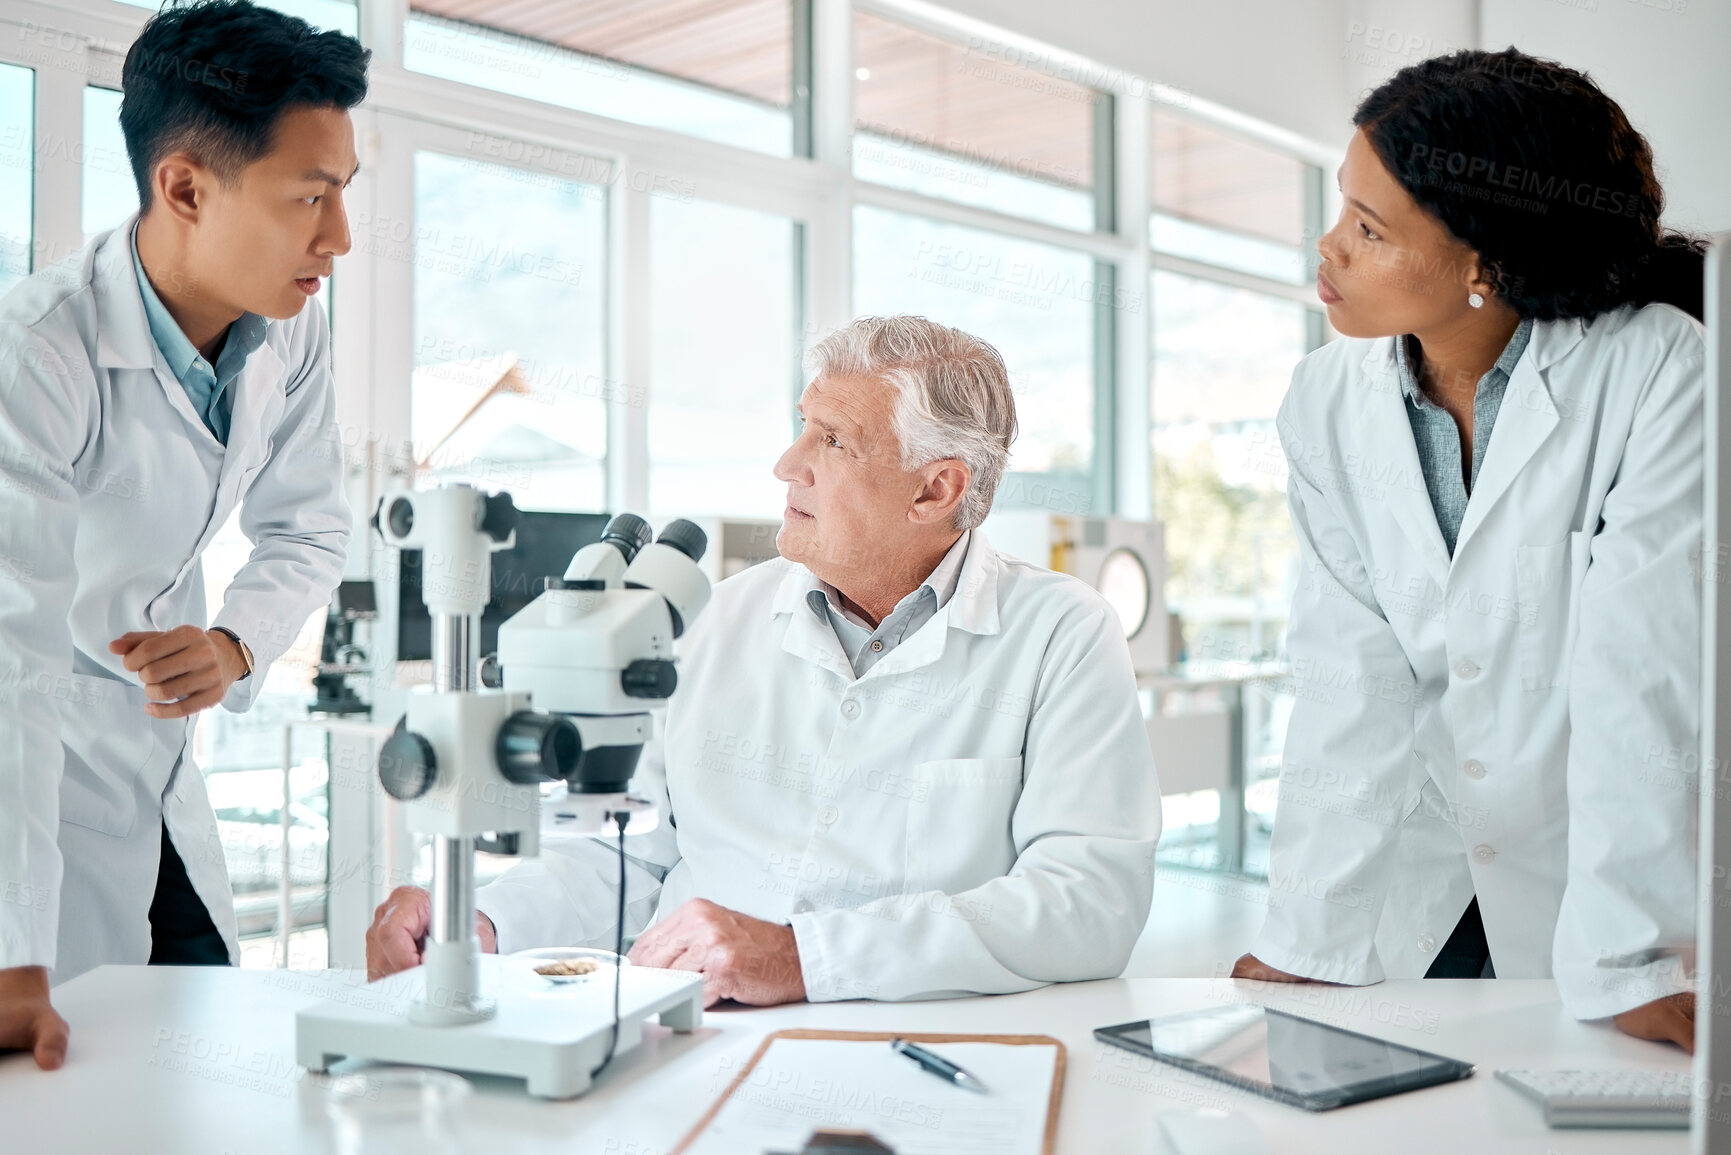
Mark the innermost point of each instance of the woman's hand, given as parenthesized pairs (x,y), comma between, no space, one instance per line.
(1667,1020)
(1251,967)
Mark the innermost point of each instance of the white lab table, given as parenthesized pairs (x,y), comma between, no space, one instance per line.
(191,1060)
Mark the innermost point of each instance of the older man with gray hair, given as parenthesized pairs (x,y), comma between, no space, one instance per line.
(900,764)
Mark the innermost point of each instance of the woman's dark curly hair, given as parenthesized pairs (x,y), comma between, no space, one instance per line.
(1540,173)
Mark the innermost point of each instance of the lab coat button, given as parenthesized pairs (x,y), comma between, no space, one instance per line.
(1473,768)
(803,906)
(1466,668)
(828,815)
(1483,853)
(850,709)
(1427,942)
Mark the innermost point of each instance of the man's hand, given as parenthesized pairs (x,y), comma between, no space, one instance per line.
(740,958)
(184,670)
(1667,1020)
(399,931)
(1251,967)
(27,1021)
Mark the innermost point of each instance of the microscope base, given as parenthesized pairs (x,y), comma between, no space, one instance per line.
(551,1036)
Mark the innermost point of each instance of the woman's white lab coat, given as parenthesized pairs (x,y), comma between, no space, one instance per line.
(110,488)
(1520,723)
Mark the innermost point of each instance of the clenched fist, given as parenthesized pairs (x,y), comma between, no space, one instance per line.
(184,670)
(399,932)
(27,1021)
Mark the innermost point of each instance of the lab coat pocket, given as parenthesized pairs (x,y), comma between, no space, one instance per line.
(959,822)
(108,742)
(1547,581)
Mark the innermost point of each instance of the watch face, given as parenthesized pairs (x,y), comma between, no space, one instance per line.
(1124,585)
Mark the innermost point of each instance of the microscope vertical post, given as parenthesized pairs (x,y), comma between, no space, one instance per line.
(452,954)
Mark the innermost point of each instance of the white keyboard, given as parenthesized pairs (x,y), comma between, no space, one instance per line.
(1611,1098)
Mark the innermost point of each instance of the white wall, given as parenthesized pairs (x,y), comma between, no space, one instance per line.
(1665,62)
(1298,64)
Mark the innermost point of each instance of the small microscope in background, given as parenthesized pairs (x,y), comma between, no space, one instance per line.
(339,655)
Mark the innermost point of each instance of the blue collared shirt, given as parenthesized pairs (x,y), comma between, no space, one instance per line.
(207,388)
(864,646)
(1438,438)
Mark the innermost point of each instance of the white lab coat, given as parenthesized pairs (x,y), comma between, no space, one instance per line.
(110,488)
(978,813)
(1517,723)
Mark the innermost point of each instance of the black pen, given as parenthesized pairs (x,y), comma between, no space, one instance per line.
(941,1067)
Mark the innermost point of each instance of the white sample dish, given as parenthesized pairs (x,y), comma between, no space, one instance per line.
(520,967)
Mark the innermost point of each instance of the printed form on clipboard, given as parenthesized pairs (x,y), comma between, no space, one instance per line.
(799,1082)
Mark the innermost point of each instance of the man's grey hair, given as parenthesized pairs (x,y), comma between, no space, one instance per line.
(953,396)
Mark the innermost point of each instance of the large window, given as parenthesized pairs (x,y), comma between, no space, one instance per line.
(724,356)
(17,171)
(972,123)
(1222,359)
(510,387)
(110,193)
(721,69)
(1034,302)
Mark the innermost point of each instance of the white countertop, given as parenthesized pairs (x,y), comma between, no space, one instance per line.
(194,1060)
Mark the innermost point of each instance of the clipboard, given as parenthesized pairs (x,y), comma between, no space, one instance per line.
(1051,1134)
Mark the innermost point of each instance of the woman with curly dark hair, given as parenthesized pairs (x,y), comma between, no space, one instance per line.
(1495,478)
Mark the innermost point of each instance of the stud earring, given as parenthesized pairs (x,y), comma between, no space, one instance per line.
(1475,300)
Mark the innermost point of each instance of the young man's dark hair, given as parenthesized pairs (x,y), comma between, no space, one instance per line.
(212,78)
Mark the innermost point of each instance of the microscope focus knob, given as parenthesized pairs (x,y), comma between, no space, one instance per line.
(499,516)
(649,678)
(407,765)
(534,748)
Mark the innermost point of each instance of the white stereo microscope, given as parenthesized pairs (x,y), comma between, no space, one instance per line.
(580,666)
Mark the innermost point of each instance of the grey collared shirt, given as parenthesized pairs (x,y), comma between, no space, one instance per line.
(865,646)
(1439,439)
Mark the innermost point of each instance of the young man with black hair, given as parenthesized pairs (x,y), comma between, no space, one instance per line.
(175,369)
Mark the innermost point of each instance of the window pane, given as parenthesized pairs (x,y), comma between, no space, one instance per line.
(1032,301)
(971,124)
(1230,250)
(335,15)
(509,389)
(1222,360)
(110,194)
(719,69)
(1202,174)
(724,357)
(17,172)
(1226,201)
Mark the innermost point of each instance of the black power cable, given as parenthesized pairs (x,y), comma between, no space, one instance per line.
(621,817)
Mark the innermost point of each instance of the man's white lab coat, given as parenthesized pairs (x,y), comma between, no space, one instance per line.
(110,488)
(1521,722)
(978,813)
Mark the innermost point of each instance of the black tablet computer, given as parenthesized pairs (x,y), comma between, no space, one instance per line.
(1290,1059)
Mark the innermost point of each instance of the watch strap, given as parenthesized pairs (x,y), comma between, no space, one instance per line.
(245,650)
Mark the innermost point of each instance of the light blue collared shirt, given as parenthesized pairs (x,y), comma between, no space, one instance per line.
(207,388)
(1438,438)
(864,646)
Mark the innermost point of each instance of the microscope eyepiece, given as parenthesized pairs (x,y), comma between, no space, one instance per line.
(686,537)
(628,533)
